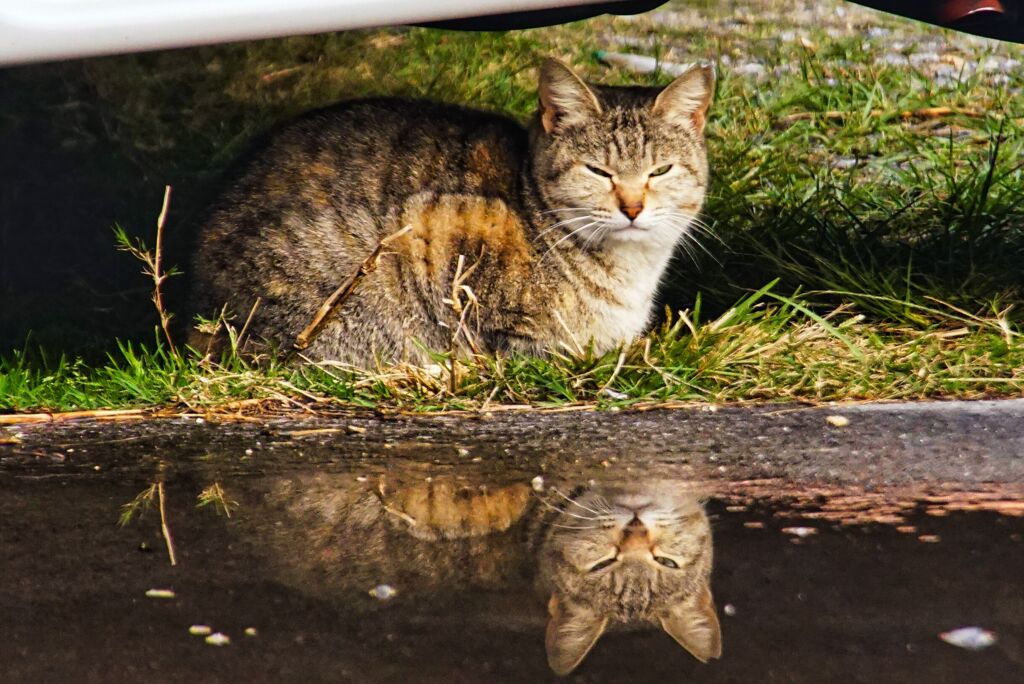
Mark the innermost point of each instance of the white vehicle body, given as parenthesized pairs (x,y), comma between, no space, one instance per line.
(36,30)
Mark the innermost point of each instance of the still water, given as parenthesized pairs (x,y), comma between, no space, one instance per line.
(347,551)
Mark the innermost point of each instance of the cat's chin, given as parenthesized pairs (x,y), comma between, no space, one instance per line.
(635,233)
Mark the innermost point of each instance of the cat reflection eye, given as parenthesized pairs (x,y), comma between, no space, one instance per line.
(602,565)
(661,170)
(597,171)
(667,562)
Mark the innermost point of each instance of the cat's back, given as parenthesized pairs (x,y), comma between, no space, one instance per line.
(312,198)
(375,152)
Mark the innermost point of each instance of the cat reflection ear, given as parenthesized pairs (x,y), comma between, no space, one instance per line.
(572,632)
(564,99)
(694,624)
(686,99)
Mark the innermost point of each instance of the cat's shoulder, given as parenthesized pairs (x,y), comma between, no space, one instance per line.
(374,113)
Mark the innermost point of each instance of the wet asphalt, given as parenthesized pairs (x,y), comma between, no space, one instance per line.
(915,512)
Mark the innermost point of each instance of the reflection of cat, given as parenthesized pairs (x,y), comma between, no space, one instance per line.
(627,554)
(638,553)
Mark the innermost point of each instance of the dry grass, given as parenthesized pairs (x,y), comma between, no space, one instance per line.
(867,166)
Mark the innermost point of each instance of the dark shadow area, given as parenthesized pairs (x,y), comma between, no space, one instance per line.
(88,145)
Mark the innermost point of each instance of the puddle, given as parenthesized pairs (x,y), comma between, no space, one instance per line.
(430,550)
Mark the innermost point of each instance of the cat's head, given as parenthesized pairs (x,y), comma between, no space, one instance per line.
(621,164)
(629,555)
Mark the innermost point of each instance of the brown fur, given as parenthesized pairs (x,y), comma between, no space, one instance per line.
(553,257)
(593,556)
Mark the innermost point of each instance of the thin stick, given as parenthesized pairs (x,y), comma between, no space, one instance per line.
(337,297)
(561,321)
(615,373)
(100,414)
(158,276)
(239,342)
(922,113)
(163,525)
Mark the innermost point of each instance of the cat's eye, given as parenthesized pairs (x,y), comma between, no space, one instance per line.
(601,565)
(667,562)
(661,170)
(597,171)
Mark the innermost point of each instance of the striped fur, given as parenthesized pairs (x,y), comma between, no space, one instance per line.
(552,255)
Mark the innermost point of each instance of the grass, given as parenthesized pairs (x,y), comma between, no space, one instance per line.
(766,348)
(892,241)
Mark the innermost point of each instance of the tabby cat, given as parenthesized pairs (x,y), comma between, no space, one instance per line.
(606,556)
(565,227)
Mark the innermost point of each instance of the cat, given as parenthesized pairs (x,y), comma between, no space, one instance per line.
(624,555)
(565,227)
(602,557)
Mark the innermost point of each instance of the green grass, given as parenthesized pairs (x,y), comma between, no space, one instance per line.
(767,347)
(894,244)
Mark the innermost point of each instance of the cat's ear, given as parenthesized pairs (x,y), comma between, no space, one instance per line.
(694,624)
(572,632)
(687,98)
(564,98)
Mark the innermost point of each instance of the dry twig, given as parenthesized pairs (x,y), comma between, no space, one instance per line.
(100,414)
(461,309)
(922,113)
(337,297)
(153,262)
(164,528)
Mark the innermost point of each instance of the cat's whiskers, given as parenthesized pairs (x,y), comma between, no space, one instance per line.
(566,237)
(600,233)
(692,221)
(684,223)
(602,503)
(562,209)
(559,225)
(574,501)
(562,510)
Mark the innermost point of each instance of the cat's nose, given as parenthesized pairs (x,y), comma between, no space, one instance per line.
(631,210)
(634,537)
(635,526)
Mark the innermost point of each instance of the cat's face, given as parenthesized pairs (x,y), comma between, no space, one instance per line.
(638,554)
(621,164)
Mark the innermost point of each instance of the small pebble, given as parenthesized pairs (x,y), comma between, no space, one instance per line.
(199,421)
(838,421)
(160,594)
(463,451)
(844,163)
(218,639)
(754,525)
(537,483)
(800,531)
(614,394)
(971,638)
(250,631)
(248,452)
(929,538)
(199,630)
(355,429)
(729,609)
(383,592)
